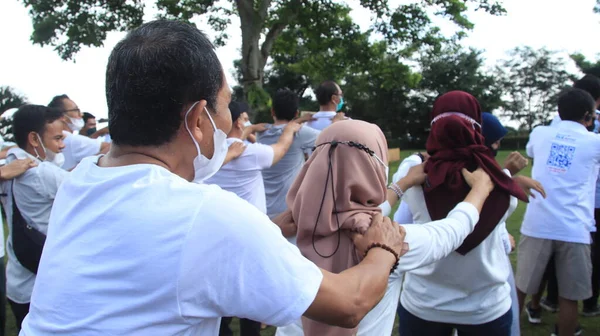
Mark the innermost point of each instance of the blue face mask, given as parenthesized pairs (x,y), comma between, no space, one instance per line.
(340,104)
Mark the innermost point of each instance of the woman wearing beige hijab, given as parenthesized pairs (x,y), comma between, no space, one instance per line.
(336,194)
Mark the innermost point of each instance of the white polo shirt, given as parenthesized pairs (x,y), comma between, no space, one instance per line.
(77,148)
(321,120)
(35,191)
(566,159)
(243,175)
(137,250)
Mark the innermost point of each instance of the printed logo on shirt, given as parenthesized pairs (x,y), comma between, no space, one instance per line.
(561,158)
(565,138)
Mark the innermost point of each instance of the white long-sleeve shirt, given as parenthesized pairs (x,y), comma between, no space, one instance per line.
(427,244)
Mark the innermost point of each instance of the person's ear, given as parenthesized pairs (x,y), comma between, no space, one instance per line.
(195,118)
(33,139)
(297,113)
(239,124)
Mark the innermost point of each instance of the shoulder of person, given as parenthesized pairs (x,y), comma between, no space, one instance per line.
(227,209)
(308,131)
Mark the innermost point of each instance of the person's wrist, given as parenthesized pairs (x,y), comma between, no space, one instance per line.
(380,255)
(483,188)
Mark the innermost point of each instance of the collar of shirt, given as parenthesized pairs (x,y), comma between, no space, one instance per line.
(232,140)
(571,125)
(20,154)
(324,114)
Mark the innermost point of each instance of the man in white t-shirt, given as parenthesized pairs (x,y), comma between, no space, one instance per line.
(331,101)
(77,147)
(38,133)
(566,161)
(134,248)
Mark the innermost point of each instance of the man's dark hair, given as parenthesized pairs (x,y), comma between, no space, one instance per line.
(236,111)
(32,118)
(155,72)
(285,104)
(58,102)
(325,91)
(590,84)
(87,116)
(574,103)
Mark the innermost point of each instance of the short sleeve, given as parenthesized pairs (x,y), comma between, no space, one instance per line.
(82,147)
(403,214)
(51,177)
(264,155)
(405,165)
(307,137)
(531,143)
(246,269)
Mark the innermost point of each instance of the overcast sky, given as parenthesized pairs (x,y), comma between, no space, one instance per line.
(39,73)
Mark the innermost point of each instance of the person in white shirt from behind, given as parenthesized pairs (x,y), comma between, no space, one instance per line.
(331,101)
(135,248)
(242,176)
(77,147)
(38,133)
(468,290)
(566,161)
(493,132)
(351,158)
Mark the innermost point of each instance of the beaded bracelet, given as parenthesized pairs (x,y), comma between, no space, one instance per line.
(396,189)
(387,248)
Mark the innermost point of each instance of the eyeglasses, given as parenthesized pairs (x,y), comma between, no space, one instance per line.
(73,110)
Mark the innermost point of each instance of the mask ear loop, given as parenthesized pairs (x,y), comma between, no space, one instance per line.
(333,145)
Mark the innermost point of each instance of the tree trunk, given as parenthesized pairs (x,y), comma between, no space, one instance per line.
(255,55)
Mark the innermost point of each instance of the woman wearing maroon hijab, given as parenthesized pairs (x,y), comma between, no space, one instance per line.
(467,290)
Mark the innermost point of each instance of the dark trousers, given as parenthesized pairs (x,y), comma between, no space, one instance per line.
(247,327)
(550,273)
(410,325)
(20,310)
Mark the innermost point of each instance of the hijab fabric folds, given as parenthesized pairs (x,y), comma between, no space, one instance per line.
(359,182)
(456,142)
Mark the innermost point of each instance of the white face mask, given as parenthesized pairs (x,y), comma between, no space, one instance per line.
(57,159)
(247,123)
(76,123)
(205,168)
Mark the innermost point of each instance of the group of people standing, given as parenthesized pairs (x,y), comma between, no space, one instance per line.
(195,215)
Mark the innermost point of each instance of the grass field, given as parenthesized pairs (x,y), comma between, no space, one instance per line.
(591,326)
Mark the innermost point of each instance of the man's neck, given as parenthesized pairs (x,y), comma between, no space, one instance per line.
(281,122)
(31,151)
(327,108)
(166,156)
(235,134)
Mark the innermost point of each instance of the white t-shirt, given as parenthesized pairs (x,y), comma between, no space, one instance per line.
(137,250)
(427,243)
(35,191)
(77,148)
(463,289)
(566,159)
(243,175)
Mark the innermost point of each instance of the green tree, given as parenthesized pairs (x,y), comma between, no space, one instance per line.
(443,68)
(532,80)
(69,24)
(587,67)
(10,99)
